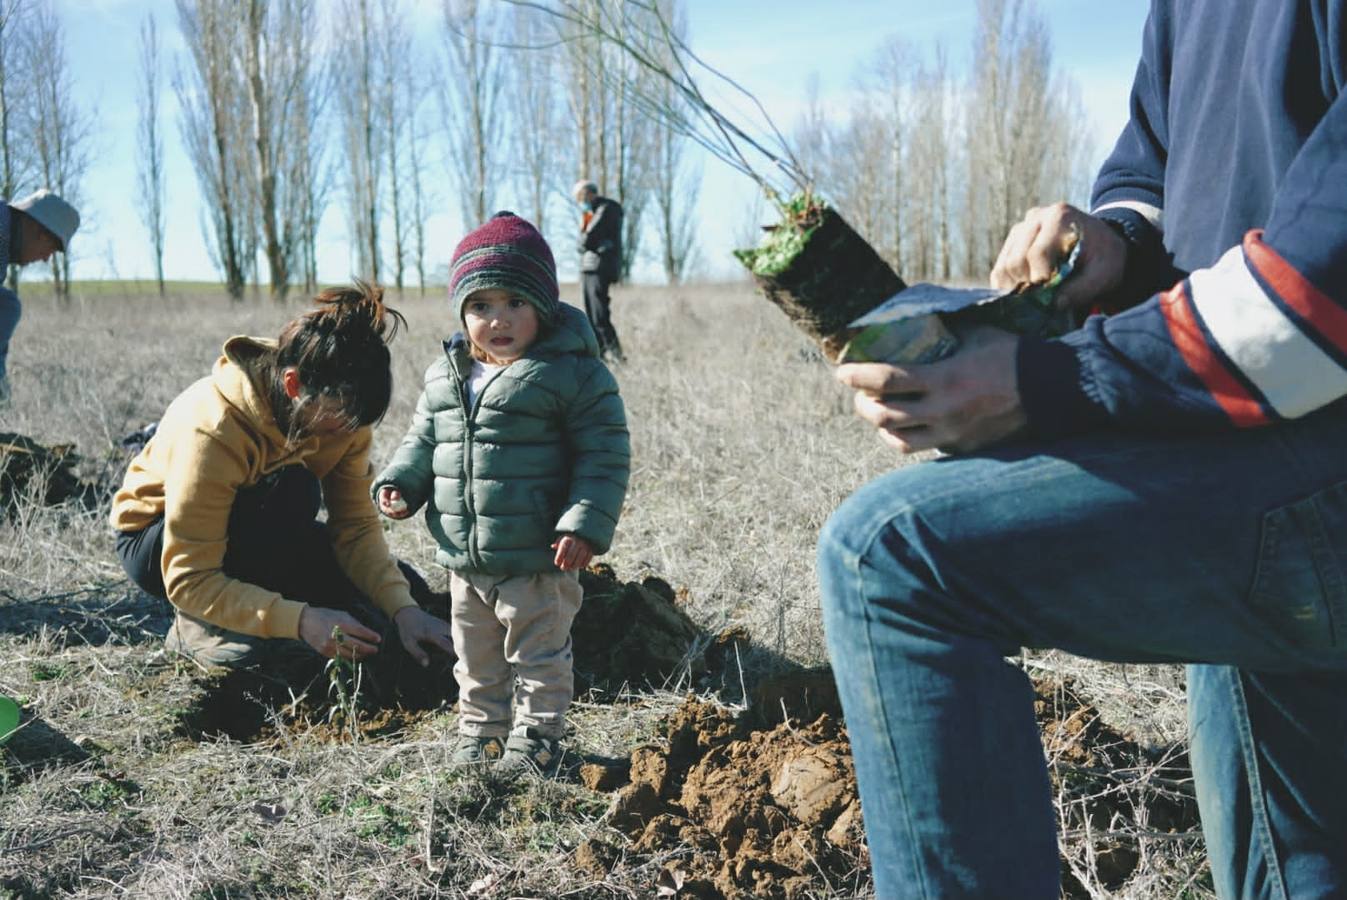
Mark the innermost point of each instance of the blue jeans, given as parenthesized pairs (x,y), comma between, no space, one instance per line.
(10,310)
(1228,552)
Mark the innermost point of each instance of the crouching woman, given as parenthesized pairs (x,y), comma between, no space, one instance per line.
(219,512)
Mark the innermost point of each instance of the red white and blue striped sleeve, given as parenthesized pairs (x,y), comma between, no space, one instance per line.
(1258,337)
(1264,342)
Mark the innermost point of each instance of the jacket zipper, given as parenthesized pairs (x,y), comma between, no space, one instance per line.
(469,427)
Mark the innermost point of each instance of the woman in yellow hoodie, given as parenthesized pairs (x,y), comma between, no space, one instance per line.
(218,513)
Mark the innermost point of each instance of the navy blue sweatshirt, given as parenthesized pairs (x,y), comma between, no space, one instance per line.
(1230,185)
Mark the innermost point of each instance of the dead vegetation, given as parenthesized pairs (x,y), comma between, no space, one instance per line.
(707,757)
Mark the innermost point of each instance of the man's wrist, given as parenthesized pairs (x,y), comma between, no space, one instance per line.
(1146,267)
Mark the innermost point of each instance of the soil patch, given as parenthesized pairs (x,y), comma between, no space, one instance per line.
(737,808)
(751,812)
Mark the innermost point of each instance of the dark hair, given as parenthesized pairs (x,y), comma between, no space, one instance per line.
(340,350)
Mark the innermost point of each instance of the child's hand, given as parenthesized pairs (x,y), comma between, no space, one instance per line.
(572,553)
(391,503)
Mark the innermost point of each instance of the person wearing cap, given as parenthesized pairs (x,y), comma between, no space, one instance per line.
(31,230)
(600,249)
(519,451)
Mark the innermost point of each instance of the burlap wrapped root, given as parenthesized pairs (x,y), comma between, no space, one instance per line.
(833,286)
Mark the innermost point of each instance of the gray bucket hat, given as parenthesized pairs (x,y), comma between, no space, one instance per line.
(52,213)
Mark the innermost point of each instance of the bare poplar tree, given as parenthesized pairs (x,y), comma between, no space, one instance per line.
(860,177)
(676,186)
(150,140)
(417,135)
(395,61)
(60,130)
(358,100)
(472,104)
(931,157)
(1010,125)
(629,144)
(674,182)
(12,158)
(215,122)
(310,171)
(893,97)
(275,55)
(536,110)
(812,136)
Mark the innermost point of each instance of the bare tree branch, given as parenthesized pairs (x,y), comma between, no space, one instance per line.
(215,119)
(150,145)
(60,130)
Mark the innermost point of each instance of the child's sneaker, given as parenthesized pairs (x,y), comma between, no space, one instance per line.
(473,750)
(530,750)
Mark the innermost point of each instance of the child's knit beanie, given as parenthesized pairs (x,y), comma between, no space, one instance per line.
(506,253)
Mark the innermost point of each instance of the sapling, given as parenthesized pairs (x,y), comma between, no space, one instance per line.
(818,270)
(344,676)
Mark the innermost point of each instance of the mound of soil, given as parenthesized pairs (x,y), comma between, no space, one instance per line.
(752,813)
(632,634)
(738,808)
(30,471)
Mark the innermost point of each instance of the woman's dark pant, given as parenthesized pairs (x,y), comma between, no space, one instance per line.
(275,541)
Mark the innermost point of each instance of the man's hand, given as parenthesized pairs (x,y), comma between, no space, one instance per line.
(961,403)
(573,552)
(1038,245)
(315,629)
(419,629)
(392,504)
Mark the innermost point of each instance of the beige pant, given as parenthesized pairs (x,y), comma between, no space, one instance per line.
(507,628)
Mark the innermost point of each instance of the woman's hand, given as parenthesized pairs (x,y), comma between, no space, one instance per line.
(419,629)
(961,403)
(392,504)
(573,552)
(316,628)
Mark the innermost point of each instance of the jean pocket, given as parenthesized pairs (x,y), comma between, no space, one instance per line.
(1299,586)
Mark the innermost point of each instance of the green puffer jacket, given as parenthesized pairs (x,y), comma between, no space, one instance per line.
(543,451)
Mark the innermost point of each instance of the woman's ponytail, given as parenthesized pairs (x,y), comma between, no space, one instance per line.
(340,350)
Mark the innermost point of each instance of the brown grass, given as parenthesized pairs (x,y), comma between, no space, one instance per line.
(743,444)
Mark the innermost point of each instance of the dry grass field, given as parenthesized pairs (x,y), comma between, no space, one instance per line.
(119,785)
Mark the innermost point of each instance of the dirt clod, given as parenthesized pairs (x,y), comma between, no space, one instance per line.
(650,765)
(602,778)
(632,634)
(595,857)
(634,806)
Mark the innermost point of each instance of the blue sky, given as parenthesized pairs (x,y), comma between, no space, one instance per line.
(772,47)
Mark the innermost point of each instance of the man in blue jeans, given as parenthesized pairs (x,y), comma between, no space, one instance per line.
(31,230)
(1166,484)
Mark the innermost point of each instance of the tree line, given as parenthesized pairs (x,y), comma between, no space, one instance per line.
(279,123)
(932,166)
(289,107)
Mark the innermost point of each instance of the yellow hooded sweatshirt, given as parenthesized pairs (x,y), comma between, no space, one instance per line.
(218,437)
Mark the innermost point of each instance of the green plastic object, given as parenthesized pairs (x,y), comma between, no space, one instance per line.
(9,717)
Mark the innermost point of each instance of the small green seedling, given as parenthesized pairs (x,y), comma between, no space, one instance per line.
(344,676)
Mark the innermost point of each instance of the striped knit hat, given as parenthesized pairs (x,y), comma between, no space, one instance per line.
(506,253)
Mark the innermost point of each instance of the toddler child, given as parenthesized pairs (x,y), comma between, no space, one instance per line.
(519,450)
